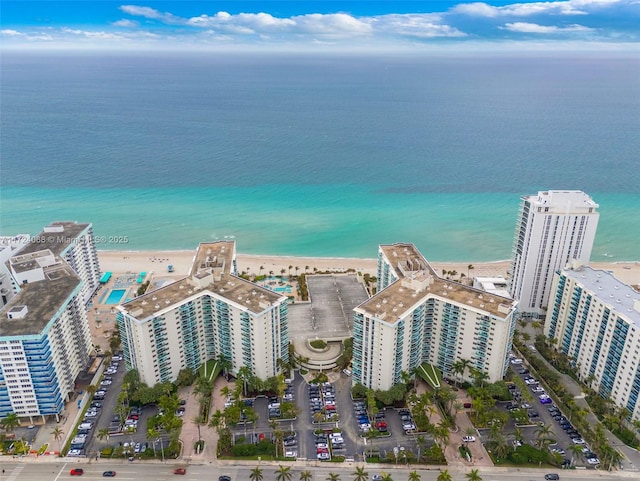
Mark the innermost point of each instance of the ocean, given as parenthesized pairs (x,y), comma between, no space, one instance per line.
(317,155)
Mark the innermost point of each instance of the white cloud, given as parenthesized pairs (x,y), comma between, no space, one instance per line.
(567,7)
(415,25)
(151,13)
(93,34)
(126,23)
(11,33)
(332,24)
(525,27)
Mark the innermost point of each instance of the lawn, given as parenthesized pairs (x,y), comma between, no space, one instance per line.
(430,374)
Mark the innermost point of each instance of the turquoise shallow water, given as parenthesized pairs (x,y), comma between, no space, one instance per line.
(316,156)
(342,221)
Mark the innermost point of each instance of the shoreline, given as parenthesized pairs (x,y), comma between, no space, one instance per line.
(156,261)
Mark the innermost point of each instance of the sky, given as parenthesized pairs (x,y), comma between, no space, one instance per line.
(307,25)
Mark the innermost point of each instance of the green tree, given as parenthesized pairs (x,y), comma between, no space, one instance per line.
(473,475)
(283,473)
(306,475)
(386,476)
(360,474)
(103,434)
(10,422)
(57,435)
(256,474)
(444,476)
(333,477)
(414,476)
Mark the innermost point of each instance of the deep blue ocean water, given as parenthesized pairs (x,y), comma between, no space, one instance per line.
(317,155)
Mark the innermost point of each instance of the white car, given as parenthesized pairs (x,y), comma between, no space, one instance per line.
(337,441)
(336,435)
(323,456)
(469,439)
(593,461)
(516,360)
(578,441)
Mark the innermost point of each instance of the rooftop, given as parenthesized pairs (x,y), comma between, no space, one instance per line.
(214,255)
(211,272)
(418,281)
(56,237)
(562,201)
(234,289)
(620,296)
(42,299)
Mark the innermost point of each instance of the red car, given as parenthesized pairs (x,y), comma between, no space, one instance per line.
(76,472)
(179,471)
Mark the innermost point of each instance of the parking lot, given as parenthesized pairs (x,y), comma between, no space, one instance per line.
(330,313)
(543,412)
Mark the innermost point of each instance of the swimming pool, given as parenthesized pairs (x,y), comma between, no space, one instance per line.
(115,296)
(286,289)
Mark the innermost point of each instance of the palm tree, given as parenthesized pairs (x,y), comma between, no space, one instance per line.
(542,433)
(306,476)
(473,475)
(57,435)
(10,422)
(256,474)
(469,268)
(386,476)
(414,476)
(444,476)
(290,267)
(421,442)
(333,477)
(575,449)
(283,473)
(360,474)
(103,434)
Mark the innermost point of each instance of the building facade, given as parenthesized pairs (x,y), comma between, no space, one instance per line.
(595,320)
(554,228)
(46,282)
(45,341)
(210,313)
(417,317)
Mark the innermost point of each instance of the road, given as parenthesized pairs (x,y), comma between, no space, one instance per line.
(60,471)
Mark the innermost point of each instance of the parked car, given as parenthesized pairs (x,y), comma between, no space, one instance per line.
(469,439)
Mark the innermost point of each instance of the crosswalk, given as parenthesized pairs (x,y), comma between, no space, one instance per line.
(15,474)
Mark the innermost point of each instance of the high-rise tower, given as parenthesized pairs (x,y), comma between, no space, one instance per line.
(554,228)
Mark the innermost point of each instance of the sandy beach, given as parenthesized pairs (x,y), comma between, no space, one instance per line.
(156,262)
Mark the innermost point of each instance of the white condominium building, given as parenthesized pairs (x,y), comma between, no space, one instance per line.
(554,228)
(44,336)
(417,317)
(595,319)
(73,242)
(210,313)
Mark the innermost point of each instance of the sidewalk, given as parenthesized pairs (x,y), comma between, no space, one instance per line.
(479,455)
